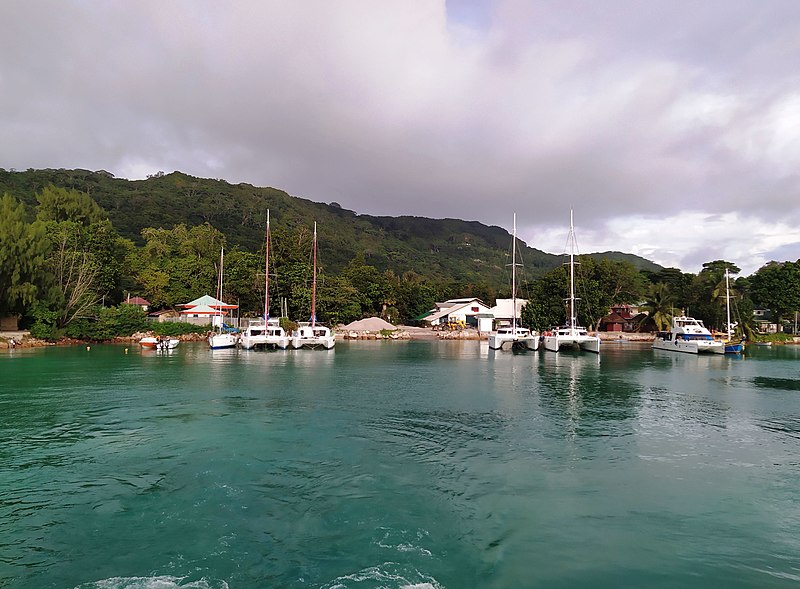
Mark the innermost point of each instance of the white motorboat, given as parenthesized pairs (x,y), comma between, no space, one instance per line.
(313,335)
(571,335)
(688,335)
(513,336)
(159,343)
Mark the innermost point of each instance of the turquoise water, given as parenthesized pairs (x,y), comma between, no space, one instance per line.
(398,464)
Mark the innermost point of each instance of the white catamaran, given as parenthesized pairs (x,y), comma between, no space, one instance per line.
(266,332)
(513,336)
(571,335)
(311,334)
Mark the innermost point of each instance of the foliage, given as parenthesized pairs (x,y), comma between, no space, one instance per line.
(173,328)
(107,323)
(776,286)
(23,253)
(659,306)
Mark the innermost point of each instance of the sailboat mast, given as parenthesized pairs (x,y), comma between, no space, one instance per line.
(266,272)
(728,303)
(572,319)
(514,278)
(314,282)
(219,283)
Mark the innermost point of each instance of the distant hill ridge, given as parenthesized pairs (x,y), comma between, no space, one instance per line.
(449,249)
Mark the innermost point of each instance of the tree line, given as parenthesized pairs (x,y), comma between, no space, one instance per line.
(65,269)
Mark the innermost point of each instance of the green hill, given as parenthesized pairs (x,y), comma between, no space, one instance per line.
(443,249)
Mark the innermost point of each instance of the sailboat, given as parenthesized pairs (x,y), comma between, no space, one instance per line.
(571,335)
(265,332)
(514,336)
(311,334)
(220,338)
(731,347)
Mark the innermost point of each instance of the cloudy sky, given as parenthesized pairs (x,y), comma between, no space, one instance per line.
(672,128)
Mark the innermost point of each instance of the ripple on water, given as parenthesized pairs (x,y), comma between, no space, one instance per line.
(388,575)
(157,582)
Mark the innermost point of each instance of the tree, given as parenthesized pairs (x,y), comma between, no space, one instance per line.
(61,204)
(776,286)
(659,306)
(23,253)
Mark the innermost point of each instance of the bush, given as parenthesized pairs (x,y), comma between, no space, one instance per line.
(170,328)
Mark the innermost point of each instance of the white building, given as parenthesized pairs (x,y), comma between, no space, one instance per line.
(460,312)
(503,311)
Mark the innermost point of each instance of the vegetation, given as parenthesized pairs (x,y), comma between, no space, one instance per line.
(74,244)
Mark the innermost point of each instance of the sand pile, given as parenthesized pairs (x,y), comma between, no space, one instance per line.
(369,324)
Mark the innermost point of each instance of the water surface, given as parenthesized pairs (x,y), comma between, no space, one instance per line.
(398,464)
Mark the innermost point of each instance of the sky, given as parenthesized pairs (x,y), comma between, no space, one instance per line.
(672,129)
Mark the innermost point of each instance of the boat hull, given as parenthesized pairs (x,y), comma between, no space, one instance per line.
(586,343)
(689,347)
(509,342)
(221,341)
(154,343)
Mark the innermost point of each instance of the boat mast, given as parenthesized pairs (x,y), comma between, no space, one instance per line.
(266,273)
(572,319)
(514,278)
(314,282)
(728,302)
(219,285)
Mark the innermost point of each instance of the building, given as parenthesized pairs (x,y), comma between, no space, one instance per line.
(457,313)
(207,309)
(138,301)
(621,318)
(503,312)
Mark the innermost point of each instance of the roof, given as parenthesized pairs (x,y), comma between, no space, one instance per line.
(201,310)
(454,302)
(136,301)
(162,312)
(210,301)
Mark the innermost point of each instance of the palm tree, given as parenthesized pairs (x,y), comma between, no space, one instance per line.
(659,306)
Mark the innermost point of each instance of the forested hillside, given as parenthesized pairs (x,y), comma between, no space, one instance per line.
(440,249)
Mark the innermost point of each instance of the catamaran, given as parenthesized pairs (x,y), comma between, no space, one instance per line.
(311,334)
(265,332)
(571,335)
(513,336)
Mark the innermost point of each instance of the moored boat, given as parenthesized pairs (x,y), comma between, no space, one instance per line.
(159,343)
(223,336)
(513,336)
(265,332)
(571,335)
(688,335)
(311,334)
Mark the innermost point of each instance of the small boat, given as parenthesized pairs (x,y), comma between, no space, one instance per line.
(763,343)
(310,334)
(265,332)
(688,335)
(224,336)
(159,343)
(571,335)
(513,336)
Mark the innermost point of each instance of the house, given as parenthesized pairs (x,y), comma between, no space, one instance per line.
(207,309)
(138,301)
(621,318)
(461,312)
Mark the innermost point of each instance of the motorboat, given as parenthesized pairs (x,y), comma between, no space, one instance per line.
(688,335)
(159,343)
